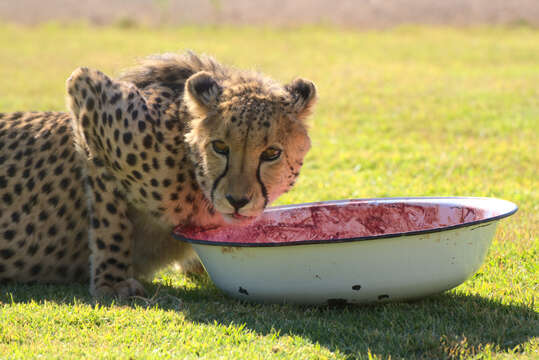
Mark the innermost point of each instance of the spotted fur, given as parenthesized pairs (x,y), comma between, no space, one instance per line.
(93,194)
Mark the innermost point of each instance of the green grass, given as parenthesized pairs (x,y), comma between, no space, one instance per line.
(405,112)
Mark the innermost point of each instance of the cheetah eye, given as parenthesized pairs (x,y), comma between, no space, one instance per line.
(270,154)
(220,147)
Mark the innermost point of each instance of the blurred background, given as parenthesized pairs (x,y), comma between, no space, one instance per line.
(355,13)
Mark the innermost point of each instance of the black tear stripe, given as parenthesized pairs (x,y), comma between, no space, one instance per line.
(216,182)
(262,186)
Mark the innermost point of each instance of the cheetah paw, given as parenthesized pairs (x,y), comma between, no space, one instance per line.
(123,289)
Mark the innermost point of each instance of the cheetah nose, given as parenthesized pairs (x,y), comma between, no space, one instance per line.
(237,203)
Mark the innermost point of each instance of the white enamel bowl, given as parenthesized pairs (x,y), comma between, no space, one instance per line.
(352,251)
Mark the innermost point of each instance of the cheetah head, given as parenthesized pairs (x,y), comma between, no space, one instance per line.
(248,138)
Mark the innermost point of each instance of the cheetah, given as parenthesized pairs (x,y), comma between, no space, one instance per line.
(92,195)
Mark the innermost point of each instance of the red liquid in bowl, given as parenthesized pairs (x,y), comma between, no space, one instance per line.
(341,220)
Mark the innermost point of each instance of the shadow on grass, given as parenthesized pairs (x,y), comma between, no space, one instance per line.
(448,325)
(443,326)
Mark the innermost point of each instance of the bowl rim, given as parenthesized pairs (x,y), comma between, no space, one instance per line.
(481,223)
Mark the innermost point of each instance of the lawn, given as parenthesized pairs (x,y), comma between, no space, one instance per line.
(412,111)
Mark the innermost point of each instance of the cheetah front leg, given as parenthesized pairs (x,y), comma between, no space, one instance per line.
(110,238)
(106,115)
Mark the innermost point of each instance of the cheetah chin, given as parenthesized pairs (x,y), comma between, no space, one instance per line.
(93,194)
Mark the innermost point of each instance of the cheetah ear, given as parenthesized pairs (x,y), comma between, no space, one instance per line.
(202,93)
(303,94)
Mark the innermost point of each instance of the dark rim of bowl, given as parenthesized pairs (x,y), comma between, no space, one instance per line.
(482,222)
